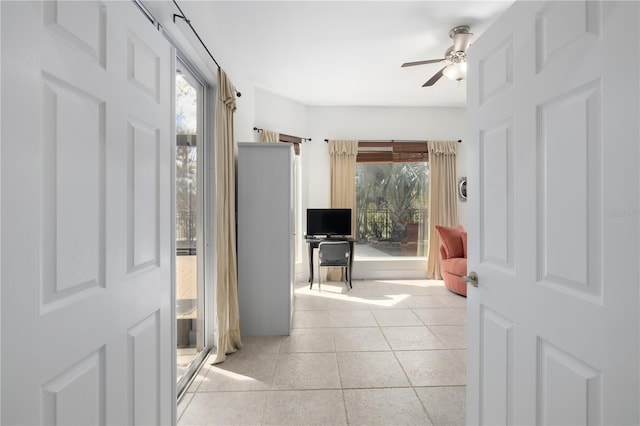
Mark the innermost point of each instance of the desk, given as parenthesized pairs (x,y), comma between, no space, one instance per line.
(313,244)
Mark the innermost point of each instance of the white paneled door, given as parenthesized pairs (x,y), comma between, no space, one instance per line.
(86,215)
(554,223)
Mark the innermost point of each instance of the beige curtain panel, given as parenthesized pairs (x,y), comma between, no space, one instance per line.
(422,246)
(268,136)
(227,312)
(443,201)
(342,172)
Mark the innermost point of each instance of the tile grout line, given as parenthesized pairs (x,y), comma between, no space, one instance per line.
(424,408)
(273,375)
(344,400)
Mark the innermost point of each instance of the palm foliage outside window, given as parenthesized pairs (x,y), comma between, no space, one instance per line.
(391,208)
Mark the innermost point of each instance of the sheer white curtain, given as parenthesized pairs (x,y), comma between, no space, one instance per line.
(342,172)
(443,201)
(267,136)
(227,312)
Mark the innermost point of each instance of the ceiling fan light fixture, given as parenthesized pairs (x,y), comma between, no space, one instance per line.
(455,57)
(456,71)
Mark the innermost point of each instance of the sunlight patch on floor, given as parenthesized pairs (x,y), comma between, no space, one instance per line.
(335,293)
(231,375)
(413,282)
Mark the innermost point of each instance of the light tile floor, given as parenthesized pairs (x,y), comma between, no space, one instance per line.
(387,352)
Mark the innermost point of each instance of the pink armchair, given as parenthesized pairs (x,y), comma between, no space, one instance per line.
(453,257)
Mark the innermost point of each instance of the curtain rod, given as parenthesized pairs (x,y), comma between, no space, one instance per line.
(302,139)
(188,21)
(391,140)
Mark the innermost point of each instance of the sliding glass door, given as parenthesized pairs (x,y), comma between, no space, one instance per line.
(189,224)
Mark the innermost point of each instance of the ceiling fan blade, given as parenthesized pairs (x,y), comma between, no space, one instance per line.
(437,76)
(461,42)
(429,61)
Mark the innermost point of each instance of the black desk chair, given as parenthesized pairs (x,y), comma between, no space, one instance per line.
(334,254)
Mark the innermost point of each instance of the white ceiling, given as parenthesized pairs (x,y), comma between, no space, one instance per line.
(339,52)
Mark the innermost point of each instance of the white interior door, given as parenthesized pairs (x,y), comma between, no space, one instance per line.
(553,216)
(87,315)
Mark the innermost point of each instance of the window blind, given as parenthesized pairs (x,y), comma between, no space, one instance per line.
(392,151)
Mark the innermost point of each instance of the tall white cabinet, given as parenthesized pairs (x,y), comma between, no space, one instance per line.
(266,260)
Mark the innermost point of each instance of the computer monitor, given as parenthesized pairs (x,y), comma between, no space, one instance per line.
(329,222)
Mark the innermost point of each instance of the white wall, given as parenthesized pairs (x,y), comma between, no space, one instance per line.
(461,166)
(265,110)
(283,115)
(245,110)
(273,112)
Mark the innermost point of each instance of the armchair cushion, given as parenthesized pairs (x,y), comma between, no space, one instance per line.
(456,266)
(451,240)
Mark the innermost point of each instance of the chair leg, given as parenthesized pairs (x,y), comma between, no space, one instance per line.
(347,277)
(319,276)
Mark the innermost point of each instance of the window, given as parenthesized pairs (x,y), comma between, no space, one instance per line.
(189,206)
(392,182)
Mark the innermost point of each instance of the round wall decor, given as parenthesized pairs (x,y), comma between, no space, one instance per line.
(462,188)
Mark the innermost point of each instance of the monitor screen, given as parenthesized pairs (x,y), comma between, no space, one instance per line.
(328,222)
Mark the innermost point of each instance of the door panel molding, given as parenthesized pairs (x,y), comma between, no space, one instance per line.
(570,199)
(569,390)
(77,395)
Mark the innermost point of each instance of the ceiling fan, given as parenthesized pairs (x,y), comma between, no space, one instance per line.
(455,57)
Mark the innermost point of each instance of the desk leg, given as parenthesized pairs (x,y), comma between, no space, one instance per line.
(351,244)
(310,266)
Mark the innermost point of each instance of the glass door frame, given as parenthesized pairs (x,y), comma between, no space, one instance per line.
(203,231)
